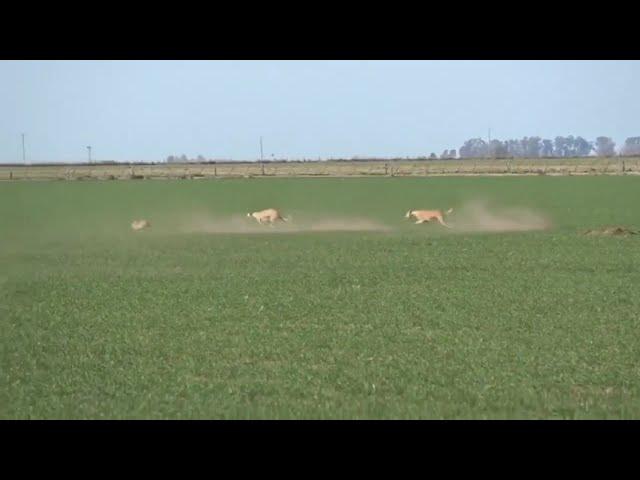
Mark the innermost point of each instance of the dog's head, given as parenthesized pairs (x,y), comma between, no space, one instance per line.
(249,215)
(408,214)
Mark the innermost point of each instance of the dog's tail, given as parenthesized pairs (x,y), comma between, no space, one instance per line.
(285,219)
(449,211)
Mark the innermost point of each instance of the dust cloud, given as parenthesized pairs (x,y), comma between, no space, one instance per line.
(244,225)
(479,216)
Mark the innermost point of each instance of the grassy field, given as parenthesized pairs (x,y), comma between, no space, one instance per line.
(520,166)
(393,321)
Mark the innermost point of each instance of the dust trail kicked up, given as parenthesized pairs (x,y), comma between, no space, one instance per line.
(244,225)
(478,216)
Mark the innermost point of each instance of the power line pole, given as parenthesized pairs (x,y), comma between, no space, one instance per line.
(261,158)
(89,149)
(261,154)
(24,157)
(489,144)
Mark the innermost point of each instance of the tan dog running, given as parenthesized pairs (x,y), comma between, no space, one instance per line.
(140,224)
(423,216)
(270,215)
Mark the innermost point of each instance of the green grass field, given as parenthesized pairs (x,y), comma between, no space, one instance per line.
(97,321)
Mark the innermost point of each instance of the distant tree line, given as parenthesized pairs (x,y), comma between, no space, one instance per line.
(526,147)
(631,146)
(535,147)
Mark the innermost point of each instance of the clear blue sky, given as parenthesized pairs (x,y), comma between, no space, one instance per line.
(146,110)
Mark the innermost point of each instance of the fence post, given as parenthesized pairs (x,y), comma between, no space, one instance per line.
(622,166)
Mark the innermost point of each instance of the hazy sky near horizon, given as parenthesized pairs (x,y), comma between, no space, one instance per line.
(147,110)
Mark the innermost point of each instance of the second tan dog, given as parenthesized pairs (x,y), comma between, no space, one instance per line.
(268,216)
(423,216)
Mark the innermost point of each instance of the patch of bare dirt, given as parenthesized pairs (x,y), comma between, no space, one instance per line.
(615,231)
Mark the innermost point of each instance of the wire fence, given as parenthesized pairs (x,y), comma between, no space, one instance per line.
(546,166)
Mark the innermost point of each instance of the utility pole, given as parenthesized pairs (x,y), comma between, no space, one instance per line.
(89,149)
(261,154)
(261,157)
(24,157)
(489,144)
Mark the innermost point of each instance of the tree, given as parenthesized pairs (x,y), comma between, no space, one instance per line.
(631,146)
(201,159)
(498,149)
(531,147)
(474,148)
(572,146)
(560,147)
(183,158)
(433,156)
(582,148)
(605,147)
(514,148)
(453,153)
(547,148)
(444,154)
(171,159)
